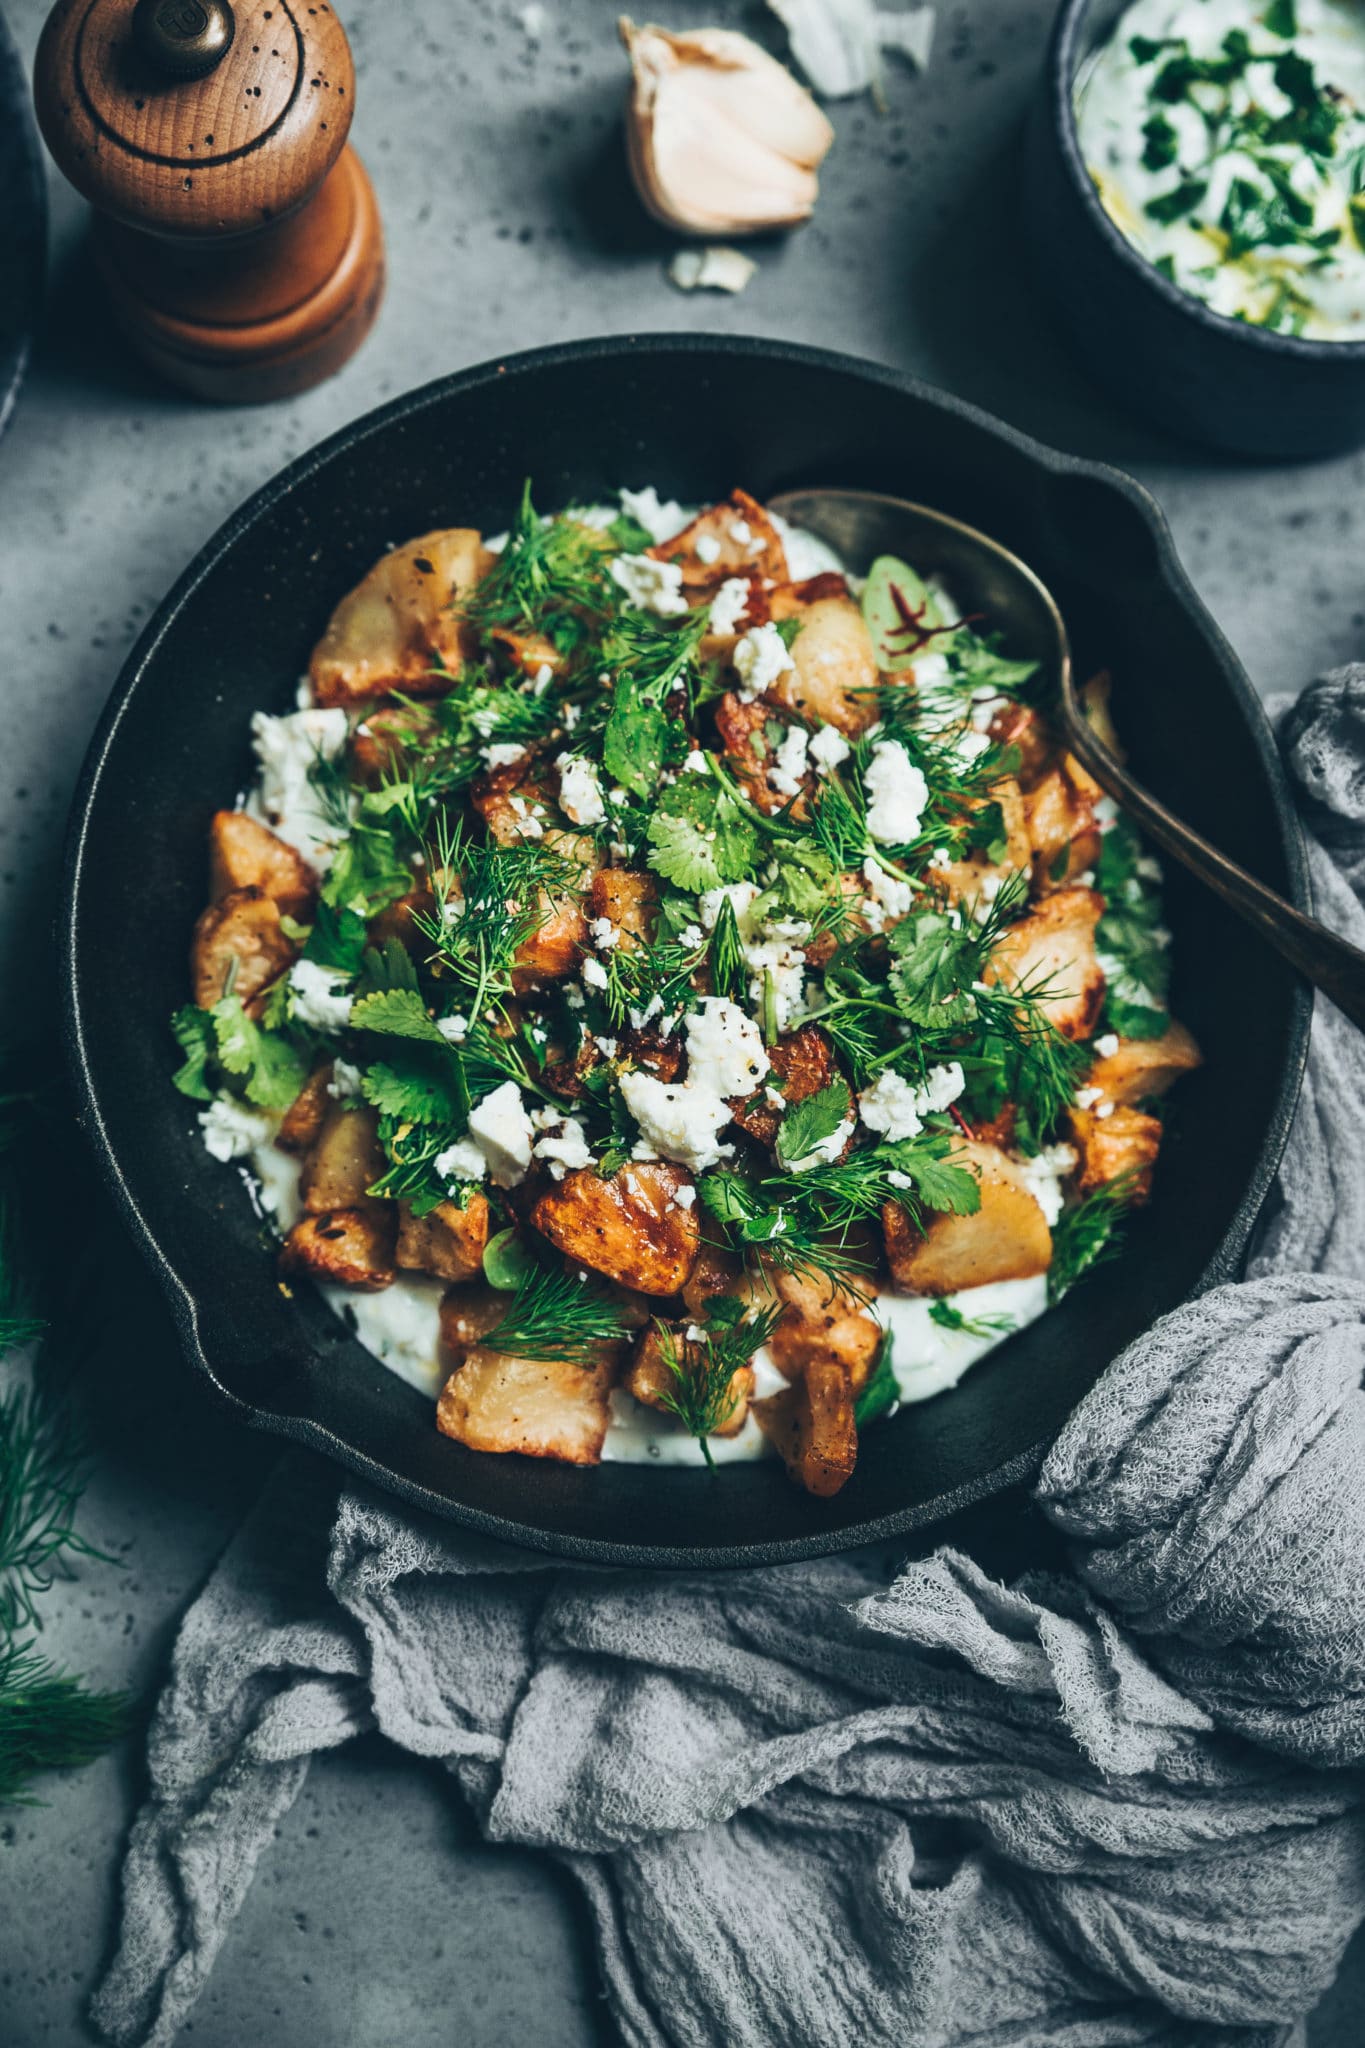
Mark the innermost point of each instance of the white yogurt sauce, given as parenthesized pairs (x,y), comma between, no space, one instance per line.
(1226,139)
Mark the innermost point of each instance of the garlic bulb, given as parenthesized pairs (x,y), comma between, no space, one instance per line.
(722,140)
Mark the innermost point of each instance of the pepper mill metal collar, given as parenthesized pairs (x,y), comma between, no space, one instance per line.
(236,232)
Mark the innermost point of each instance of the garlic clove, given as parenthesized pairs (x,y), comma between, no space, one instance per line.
(722,139)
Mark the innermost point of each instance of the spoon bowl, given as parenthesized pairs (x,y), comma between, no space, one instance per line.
(987,578)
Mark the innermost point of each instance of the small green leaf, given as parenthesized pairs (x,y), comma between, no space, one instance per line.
(807,1124)
(195,1035)
(634,742)
(506,1261)
(880,1391)
(397,1013)
(955,1190)
(271,1071)
(899,611)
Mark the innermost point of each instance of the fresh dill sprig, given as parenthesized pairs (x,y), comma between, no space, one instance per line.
(729,969)
(551,578)
(557,1317)
(950,1318)
(496,897)
(1086,1233)
(701,1394)
(49,1721)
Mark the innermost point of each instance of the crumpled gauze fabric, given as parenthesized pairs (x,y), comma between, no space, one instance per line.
(838,1802)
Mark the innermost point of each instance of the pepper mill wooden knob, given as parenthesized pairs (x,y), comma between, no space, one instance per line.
(237,233)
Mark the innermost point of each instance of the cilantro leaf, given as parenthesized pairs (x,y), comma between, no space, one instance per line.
(880,1391)
(932,960)
(955,1190)
(633,744)
(700,838)
(337,939)
(195,1035)
(271,1069)
(417,1089)
(397,1013)
(808,1123)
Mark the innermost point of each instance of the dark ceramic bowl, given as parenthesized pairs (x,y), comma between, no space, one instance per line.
(1157,349)
(694,415)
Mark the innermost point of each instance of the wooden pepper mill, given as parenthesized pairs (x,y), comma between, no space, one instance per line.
(236,232)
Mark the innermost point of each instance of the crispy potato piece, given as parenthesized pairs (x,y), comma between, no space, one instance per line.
(1063,831)
(756,553)
(717,1271)
(353,1247)
(301,1125)
(1126,1141)
(822,1320)
(658,1055)
(468,1313)
(833,656)
(804,1064)
(244,854)
(391,630)
(740,728)
(1055,945)
(1006,1239)
(544,1408)
(1025,728)
(345,1159)
(627,1227)
(629,900)
(448,1241)
(811,1426)
(650,1377)
(529,652)
(514,800)
(239,937)
(554,948)
(1146,1067)
(964,879)
(377,742)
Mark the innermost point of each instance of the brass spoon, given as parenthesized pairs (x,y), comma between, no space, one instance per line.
(985,577)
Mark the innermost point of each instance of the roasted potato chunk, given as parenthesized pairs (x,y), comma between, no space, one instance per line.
(651,1378)
(810,1424)
(554,948)
(468,1313)
(301,1125)
(244,854)
(964,880)
(1063,831)
(345,1159)
(1145,1067)
(529,652)
(742,730)
(516,802)
(628,900)
(400,628)
(835,664)
(544,1408)
(377,743)
(352,1247)
(804,1064)
(747,544)
(1053,949)
(239,940)
(448,1241)
(1006,1239)
(1124,1142)
(717,1271)
(822,1320)
(628,1227)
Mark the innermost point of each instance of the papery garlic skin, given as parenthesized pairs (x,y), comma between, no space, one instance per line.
(722,140)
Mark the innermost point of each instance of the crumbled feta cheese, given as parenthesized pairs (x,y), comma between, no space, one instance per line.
(573,997)
(683,1120)
(231,1129)
(790,763)
(286,798)
(1086,879)
(828,748)
(970,744)
(826,1150)
(527,818)
(453,1029)
(580,792)
(607,1047)
(462,1161)
(707,548)
(1104,1109)
(564,1142)
(501,1128)
(661,518)
(344,1085)
(894,1108)
(594,974)
(888,899)
(1044,1175)
(684,1198)
(1148,866)
(1106,811)
(741,532)
(649,585)
(319,996)
(729,605)
(741,897)
(896,794)
(696,763)
(761,656)
(693,937)
(940,858)
(604,933)
(1107,1045)
(1086,1098)
(542,679)
(502,753)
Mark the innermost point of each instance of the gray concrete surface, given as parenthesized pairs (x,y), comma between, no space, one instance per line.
(377,1917)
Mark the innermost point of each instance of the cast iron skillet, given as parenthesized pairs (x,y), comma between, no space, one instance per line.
(693,414)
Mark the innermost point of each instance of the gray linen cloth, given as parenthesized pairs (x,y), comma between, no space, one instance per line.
(845,1802)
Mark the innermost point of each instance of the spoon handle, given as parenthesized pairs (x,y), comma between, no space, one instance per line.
(1329,962)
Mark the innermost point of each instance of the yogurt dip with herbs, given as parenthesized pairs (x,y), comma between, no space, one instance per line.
(1227,143)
